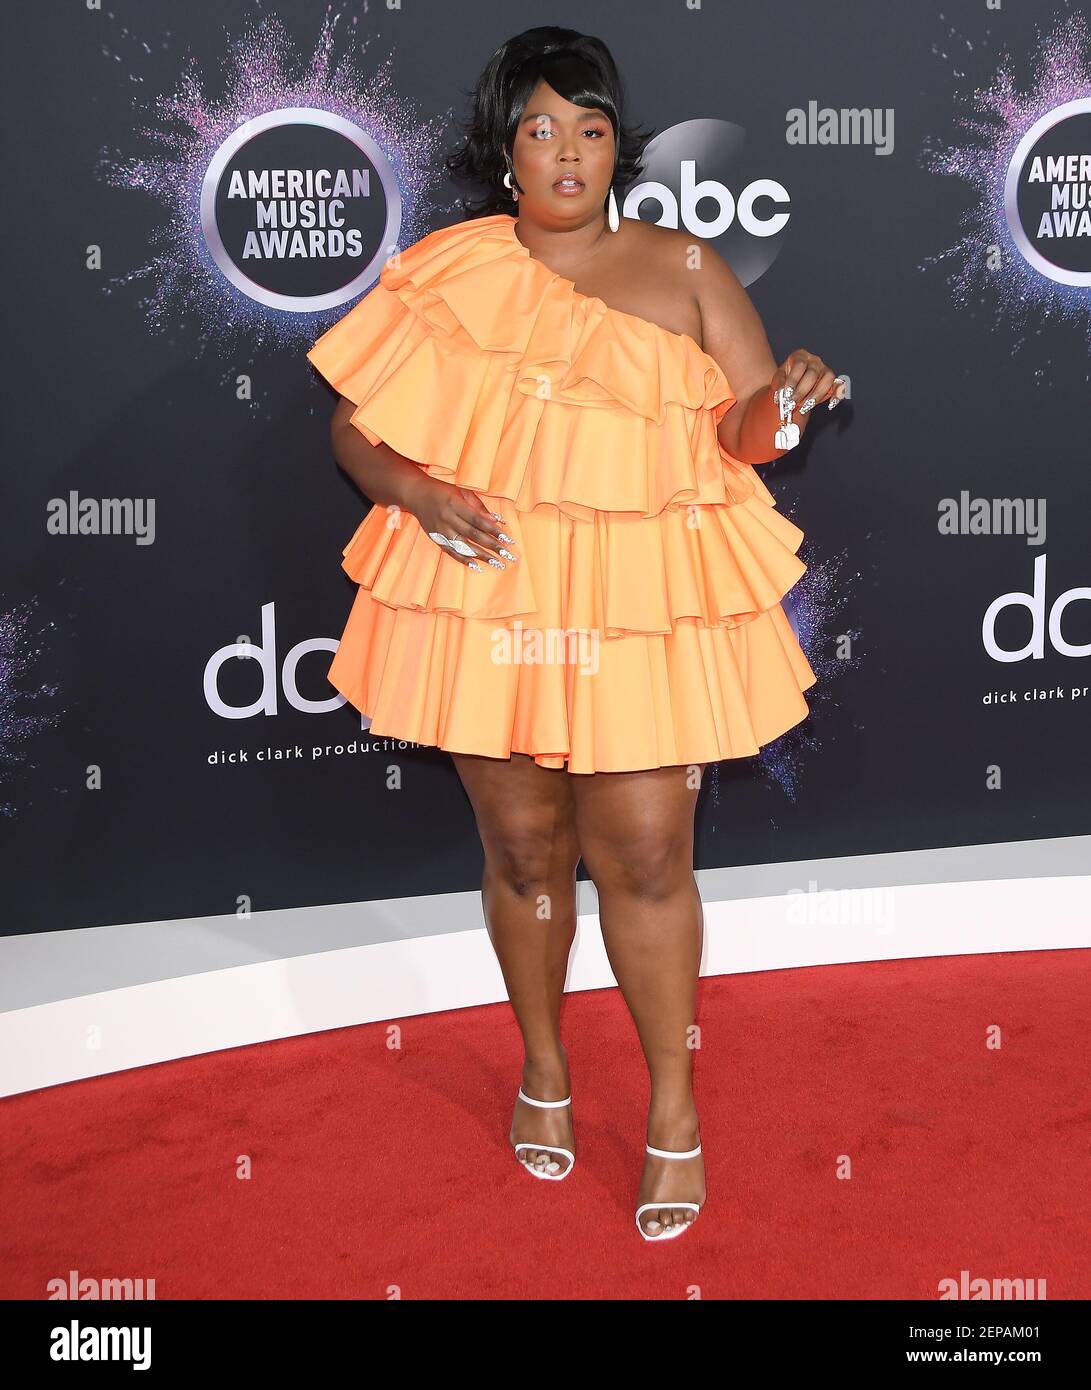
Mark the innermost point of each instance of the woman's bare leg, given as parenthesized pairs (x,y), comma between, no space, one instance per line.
(635,831)
(525,818)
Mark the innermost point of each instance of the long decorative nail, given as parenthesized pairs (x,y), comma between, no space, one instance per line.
(508,540)
(808,404)
(473,565)
(495,563)
(508,555)
(497,517)
(836,401)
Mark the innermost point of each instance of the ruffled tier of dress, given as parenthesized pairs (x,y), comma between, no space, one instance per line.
(594,434)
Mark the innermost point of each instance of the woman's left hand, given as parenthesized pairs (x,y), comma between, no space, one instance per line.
(810,379)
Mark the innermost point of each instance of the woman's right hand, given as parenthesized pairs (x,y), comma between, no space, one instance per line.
(459,513)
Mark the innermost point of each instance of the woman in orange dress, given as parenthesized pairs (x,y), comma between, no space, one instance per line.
(572,575)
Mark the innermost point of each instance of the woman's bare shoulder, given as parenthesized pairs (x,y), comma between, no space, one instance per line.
(661,260)
(665,251)
(691,262)
(702,276)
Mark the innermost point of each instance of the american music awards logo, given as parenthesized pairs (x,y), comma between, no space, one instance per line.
(1026,241)
(300,208)
(1047,194)
(283,192)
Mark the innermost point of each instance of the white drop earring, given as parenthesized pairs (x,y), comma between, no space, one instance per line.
(612,218)
(508,184)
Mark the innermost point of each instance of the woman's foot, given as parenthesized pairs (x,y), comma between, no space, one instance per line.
(550,1125)
(668,1181)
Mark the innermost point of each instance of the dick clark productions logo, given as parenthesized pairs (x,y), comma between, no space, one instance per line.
(293,198)
(1046,194)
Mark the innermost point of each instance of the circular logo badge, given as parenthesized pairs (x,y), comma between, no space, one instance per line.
(1047,194)
(696,178)
(300,209)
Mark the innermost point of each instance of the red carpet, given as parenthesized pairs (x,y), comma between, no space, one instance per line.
(374,1168)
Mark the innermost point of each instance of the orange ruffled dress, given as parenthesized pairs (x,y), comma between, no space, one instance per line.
(641,624)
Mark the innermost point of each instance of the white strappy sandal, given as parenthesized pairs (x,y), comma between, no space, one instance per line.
(668,1232)
(545,1148)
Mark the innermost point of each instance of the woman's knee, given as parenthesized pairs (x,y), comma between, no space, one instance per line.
(529,856)
(652,868)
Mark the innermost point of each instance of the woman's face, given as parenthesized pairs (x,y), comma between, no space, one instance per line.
(555,141)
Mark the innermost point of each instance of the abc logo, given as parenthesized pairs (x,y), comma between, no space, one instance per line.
(698,177)
(682,209)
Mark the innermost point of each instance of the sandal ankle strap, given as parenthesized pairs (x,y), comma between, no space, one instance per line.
(544,1104)
(669,1153)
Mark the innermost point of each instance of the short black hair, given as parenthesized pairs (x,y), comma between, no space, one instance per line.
(579,68)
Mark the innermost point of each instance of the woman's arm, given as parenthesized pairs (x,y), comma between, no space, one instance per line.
(391,480)
(384,476)
(734,336)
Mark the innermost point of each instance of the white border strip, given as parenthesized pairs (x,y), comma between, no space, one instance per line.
(96,1034)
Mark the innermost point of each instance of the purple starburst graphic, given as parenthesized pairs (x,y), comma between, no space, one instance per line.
(20,719)
(814,607)
(995,119)
(262,73)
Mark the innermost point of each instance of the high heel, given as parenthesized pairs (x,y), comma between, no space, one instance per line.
(668,1232)
(545,1148)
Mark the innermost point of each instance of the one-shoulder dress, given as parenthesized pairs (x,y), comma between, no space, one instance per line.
(641,624)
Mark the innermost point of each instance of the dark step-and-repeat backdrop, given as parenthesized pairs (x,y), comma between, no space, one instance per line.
(904,190)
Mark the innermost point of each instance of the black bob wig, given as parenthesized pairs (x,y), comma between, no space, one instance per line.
(579,68)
